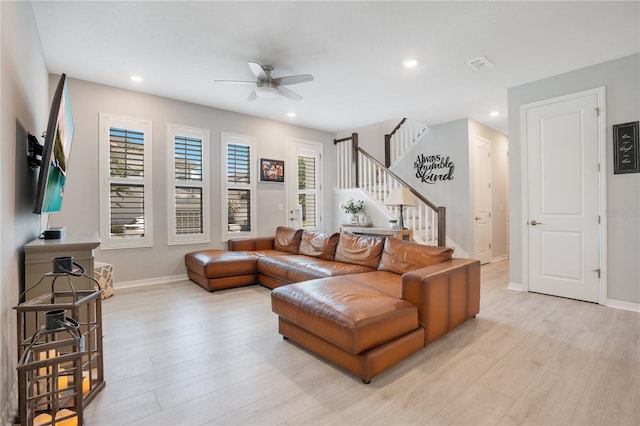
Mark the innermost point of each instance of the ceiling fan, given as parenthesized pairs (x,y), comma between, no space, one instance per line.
(267,86)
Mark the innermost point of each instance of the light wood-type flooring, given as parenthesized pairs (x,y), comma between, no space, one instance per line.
(178,355)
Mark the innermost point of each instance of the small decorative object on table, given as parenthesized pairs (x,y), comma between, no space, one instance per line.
(393,223)
(352,208)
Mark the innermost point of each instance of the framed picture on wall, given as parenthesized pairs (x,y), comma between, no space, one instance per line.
(626,155)
(271,170)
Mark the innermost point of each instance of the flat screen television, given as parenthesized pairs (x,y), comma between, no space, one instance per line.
(55,153)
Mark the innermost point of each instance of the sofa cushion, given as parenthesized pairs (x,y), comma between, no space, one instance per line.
(320,245)
(287,239)
(298,268)
(359,249)
(401,257)
(349,315)
(382,281)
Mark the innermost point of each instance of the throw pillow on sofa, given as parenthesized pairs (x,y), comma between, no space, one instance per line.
(401,257)
(359,249)
(319,245)
(287,239)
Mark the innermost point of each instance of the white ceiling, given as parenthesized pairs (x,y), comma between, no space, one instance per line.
(353,49)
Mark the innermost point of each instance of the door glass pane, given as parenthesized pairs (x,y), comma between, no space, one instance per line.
(308,210)
(306,172)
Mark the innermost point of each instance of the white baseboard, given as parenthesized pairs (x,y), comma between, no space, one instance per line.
(621,304)
(515,287)
(149,281)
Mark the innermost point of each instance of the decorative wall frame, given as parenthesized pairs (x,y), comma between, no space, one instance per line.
(271,170)
(626,152)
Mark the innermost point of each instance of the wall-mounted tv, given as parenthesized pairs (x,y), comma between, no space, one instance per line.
(55,153)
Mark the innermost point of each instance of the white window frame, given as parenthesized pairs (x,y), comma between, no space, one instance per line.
(145,126)
(174,130)
(226,139)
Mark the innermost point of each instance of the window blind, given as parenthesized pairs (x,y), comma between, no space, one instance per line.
(238,164)
(188,158)
(126,152)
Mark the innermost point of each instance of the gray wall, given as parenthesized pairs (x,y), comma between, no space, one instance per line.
(80,211)
(449,140)
(24,108)
(621,81)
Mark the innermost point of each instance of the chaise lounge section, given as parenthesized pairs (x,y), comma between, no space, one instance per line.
(363,303)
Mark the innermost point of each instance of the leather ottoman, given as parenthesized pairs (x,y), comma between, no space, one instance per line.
(359,328)
(221,269)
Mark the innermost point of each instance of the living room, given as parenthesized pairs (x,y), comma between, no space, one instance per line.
(27,84)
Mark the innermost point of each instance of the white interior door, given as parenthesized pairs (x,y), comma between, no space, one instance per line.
(305,185)
(561,136)
(482,200)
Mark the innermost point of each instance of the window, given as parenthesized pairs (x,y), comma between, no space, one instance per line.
(238,187)
(188,185)
(125,182)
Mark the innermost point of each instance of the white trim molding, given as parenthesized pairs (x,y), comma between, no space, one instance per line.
(149,281)
(515,287)
(621,304)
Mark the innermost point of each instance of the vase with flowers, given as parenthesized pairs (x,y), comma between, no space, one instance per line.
(352,207)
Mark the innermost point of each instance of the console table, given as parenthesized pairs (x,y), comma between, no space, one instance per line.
(401,234)
(38,254)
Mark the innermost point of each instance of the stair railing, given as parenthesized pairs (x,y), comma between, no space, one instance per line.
(356,168)
(401,138)
(346,153)
(427,220)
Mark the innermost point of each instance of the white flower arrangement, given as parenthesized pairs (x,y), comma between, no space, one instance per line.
(351,206)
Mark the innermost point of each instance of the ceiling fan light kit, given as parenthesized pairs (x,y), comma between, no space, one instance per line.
(269,87)
(266,92)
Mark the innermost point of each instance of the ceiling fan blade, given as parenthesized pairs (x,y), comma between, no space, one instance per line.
(234,82)
(288,93)
(252,96)
(257,70)
(293,79)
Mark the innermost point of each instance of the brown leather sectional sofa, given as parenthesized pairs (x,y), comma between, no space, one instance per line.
(364,303)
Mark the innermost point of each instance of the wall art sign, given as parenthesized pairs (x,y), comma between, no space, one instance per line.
(433,168)
(271,170)
(626,156)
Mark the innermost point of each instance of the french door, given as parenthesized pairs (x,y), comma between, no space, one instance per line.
(304,190)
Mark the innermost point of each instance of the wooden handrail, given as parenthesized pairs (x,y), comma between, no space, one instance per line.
(393,132)
(348,138)
(387,143)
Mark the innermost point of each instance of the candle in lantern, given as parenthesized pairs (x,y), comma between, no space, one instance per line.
(71,421)
(52,353)
(86,384)
(63,382)
(45,418)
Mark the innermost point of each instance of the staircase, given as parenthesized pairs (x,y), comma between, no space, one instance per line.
(358,169)
(401,139)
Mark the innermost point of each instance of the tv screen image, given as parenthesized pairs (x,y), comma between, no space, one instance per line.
(56,152)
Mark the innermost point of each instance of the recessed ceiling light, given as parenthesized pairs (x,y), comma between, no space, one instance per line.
(137,78)
(291,114)
(410,63)
(494,113)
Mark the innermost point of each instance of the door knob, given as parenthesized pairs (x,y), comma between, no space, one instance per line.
(534,223)
(477,218)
